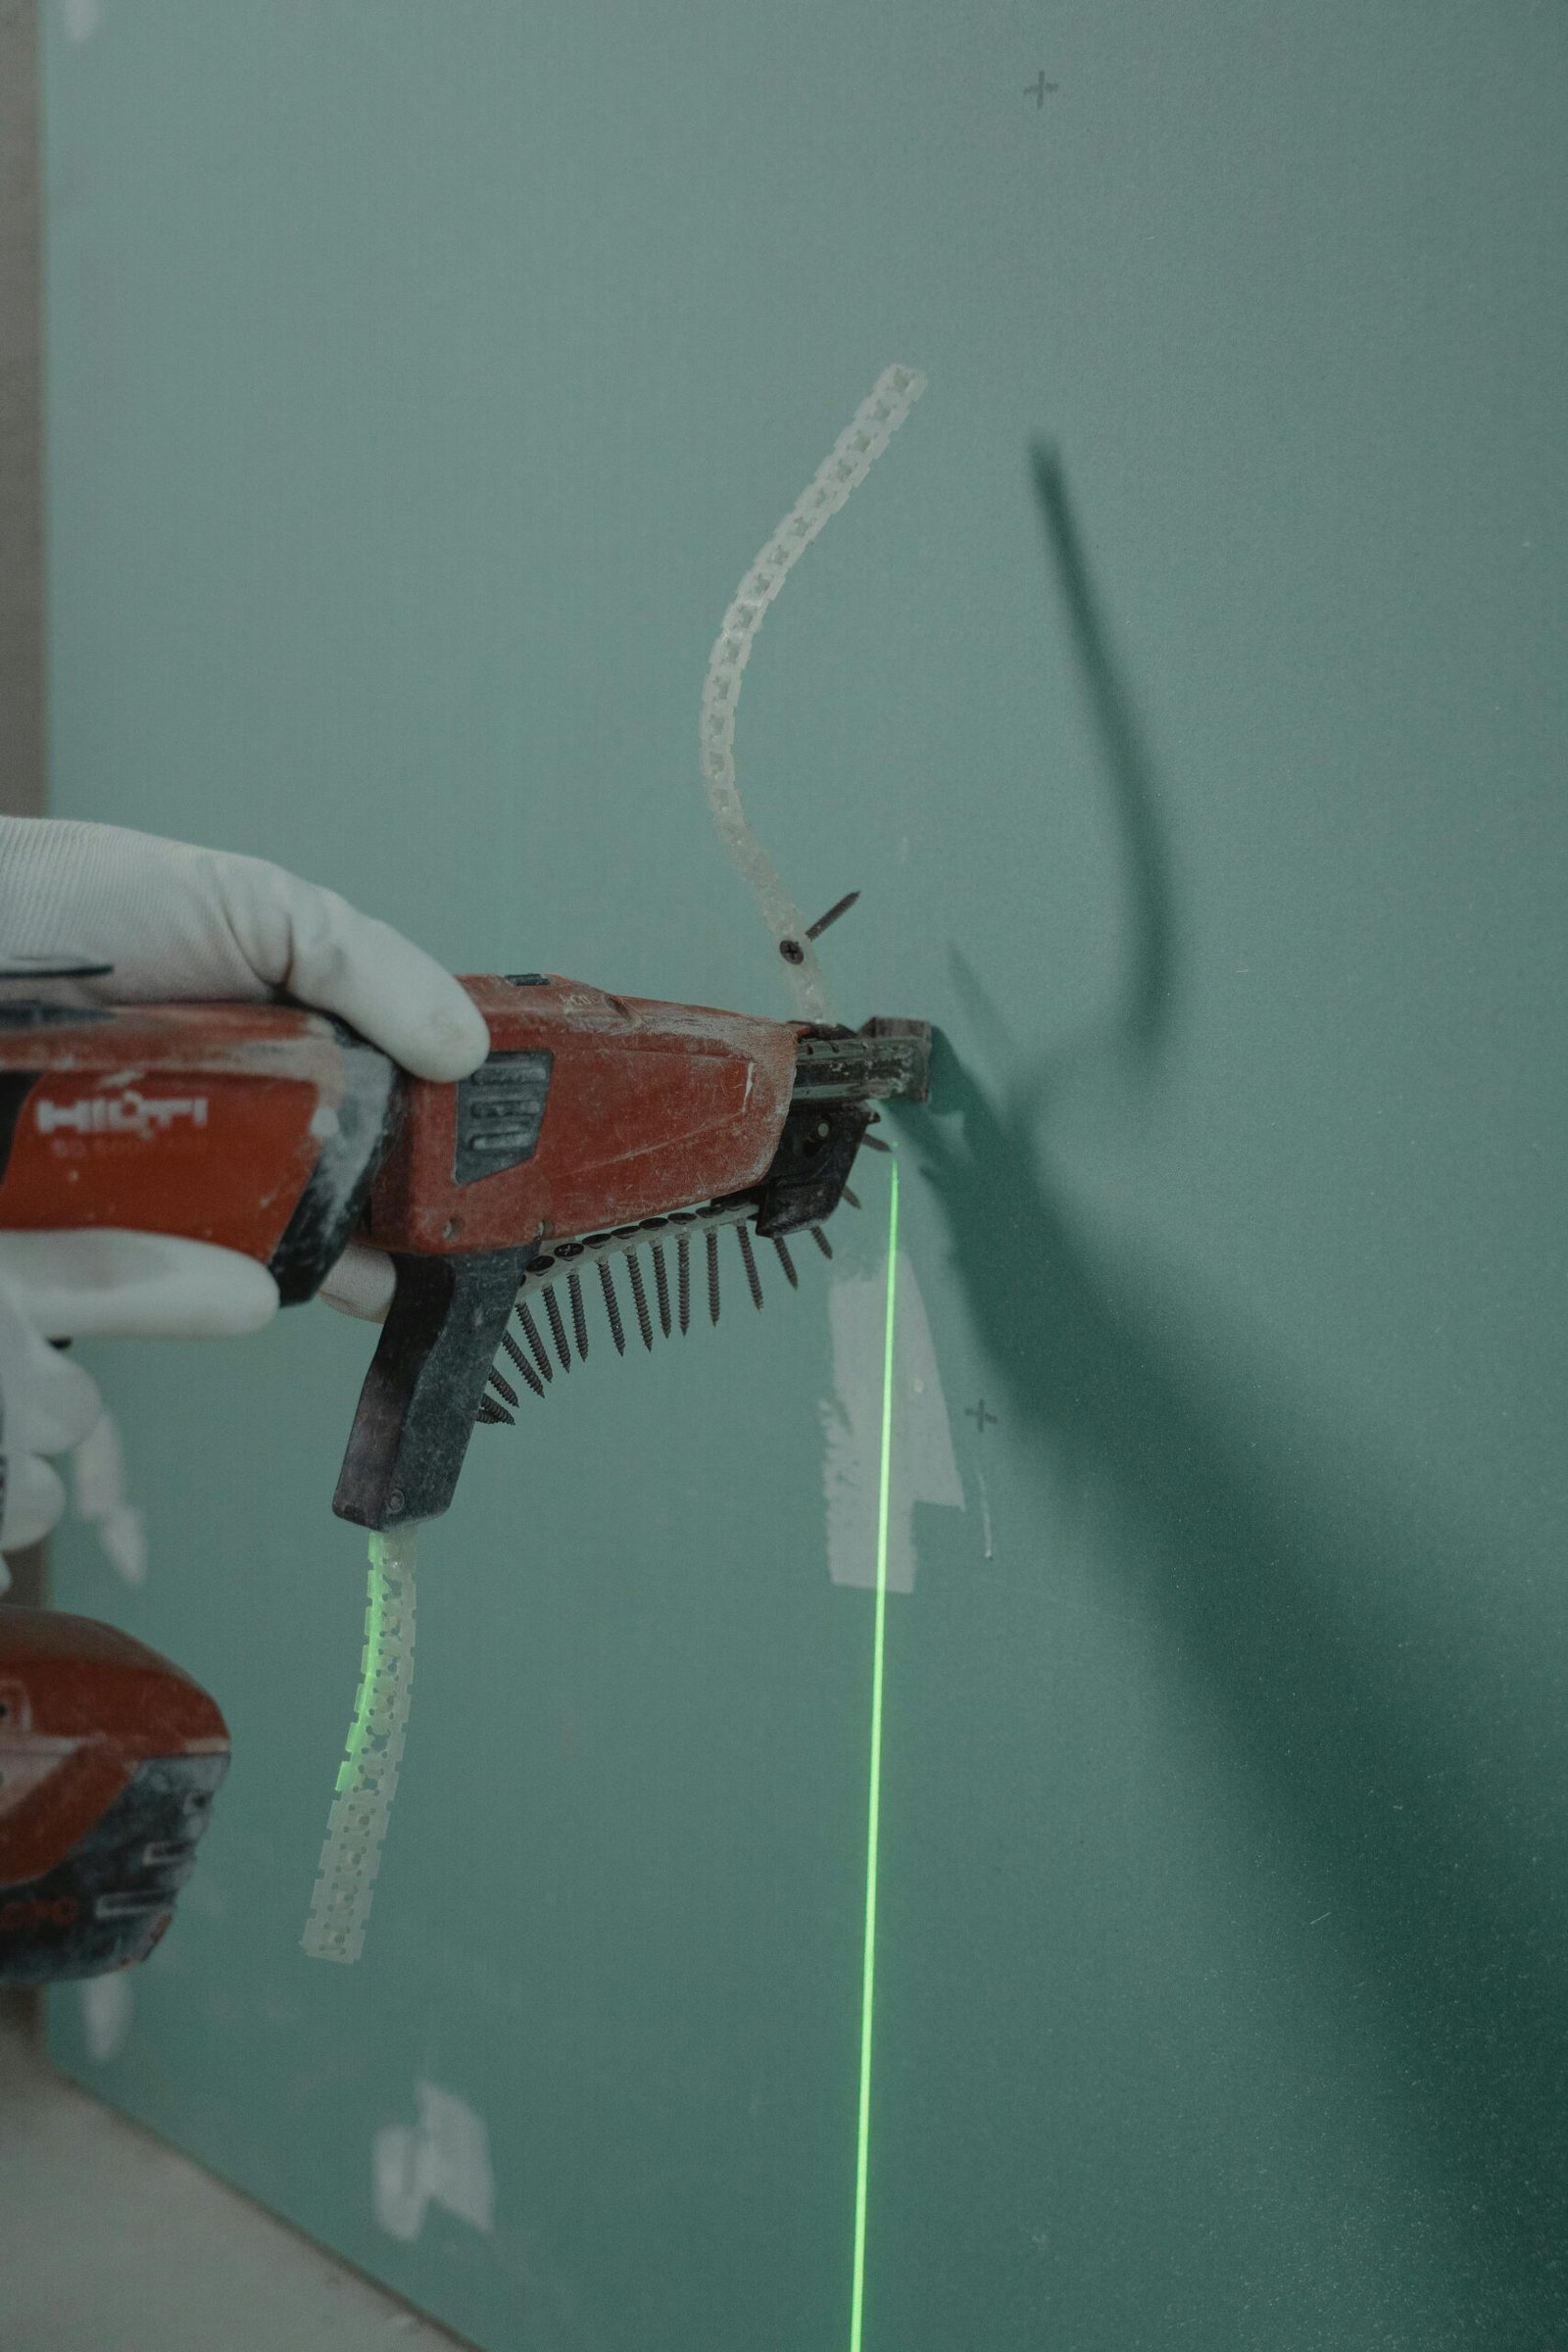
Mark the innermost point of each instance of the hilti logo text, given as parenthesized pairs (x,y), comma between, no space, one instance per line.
(128,1114)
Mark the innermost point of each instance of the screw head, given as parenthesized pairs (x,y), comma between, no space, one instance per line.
(792,950)
(395,1499)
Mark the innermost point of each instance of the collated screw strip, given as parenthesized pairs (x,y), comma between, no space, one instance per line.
(599,1253)
(366,1780)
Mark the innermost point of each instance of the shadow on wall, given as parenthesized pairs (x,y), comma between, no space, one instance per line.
(1371,1747)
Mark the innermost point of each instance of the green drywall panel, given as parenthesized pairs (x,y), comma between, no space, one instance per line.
(1184,692)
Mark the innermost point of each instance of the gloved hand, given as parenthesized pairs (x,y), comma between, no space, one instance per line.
(179,923)
(56,1286)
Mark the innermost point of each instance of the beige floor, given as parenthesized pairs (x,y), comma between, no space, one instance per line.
(112,2243)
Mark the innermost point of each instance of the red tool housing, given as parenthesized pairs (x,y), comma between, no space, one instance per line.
(598,1110)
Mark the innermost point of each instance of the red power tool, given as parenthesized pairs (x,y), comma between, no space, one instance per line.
(109,1759)
(603,1133)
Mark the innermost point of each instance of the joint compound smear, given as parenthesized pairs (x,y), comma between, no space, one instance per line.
(368,1777)
(853,454)
(442,2160)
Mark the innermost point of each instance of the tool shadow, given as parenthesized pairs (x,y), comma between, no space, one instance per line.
(1250,1531)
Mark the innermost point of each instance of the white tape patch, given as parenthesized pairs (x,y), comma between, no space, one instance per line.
(98,1477)
(444,2159)
(923,1467)
(108,2005)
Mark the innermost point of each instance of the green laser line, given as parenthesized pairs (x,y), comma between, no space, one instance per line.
(862,2164)
(375,1604)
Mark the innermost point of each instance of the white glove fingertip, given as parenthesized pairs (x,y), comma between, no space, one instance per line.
(101,1283)
(47,1403)
(59,1405)
(451,1041)
(360,1283)
(35,1501)
(224,1303)
(359,967)
(403,1000)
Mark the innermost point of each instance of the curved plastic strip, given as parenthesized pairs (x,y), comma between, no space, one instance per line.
(853,454)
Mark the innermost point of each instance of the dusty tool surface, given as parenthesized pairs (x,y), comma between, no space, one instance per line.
(597,1124)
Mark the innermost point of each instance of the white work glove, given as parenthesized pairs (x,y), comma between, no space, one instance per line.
(57,1286)
(179,923)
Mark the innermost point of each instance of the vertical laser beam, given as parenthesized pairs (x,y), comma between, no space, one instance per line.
(873,1810)
(368,1776)
(360,1728)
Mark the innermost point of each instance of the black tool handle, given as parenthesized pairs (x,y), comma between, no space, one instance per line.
(417,1406)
